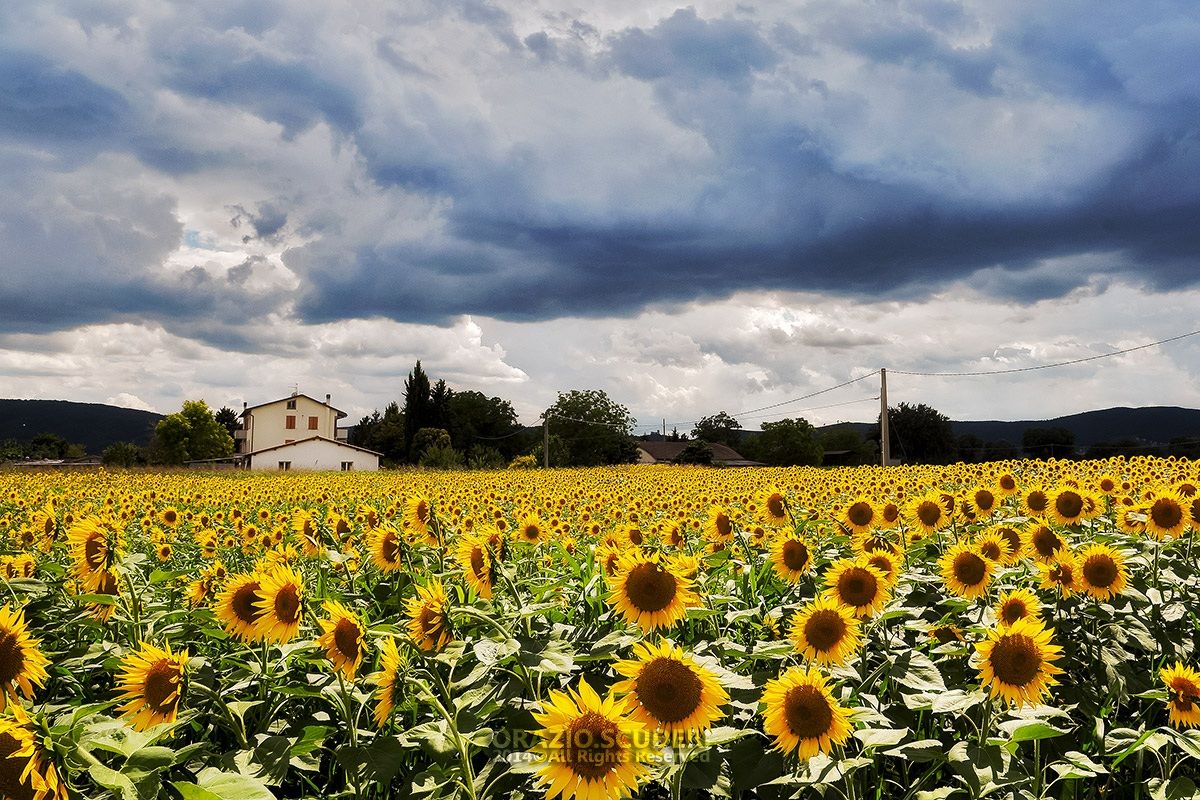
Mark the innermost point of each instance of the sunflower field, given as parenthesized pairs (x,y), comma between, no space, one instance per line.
(1014,629)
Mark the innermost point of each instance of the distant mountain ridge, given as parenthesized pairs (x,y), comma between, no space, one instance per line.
(93,425)
(1151,424)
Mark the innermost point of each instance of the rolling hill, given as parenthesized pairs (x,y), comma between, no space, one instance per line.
(94,425)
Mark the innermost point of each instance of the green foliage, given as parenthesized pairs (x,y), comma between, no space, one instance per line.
(524,462)
(788,442)
(920,434)
(484,457)
(430,437)
(190,434)
(861,451)
(441,455)
(594,429)
(1044,443)
(123,454)
(418,408)
(720,428)
(696,452)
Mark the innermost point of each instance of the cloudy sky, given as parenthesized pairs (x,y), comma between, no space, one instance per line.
(723,205)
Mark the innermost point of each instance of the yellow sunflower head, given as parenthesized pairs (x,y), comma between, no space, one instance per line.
(1102,571)
(1016,662)
(802,715)
(773,508)
(471,551)
(965,572)
(237,606)
(151,684)
(591,748)
(389,682)
(648,593)
(1017,604)
(343,639)
(27,771)
(1061,574)
(1183,694)
(1166,516)
(857,585)
(429,617)
(668,690)
(22,665)
(281,604)
(791,557)
(826,632)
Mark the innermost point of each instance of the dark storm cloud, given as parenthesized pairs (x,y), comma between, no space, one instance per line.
(787,184)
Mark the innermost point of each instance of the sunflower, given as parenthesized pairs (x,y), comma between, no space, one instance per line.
(826,632)
(669,691)
(858,585)
(649,594)
(720,525)
(859,515)
(1035,502)
(389,683)
(773,508)
(95,546)
(1194,513)
(927,513)
(169,516)
(342,637)
(1016,662)
(1006,484)
(1068,506)
(1017,604)
(237,606)
(965,572)
(985,502)
(887,563)
(802,714)
(22,665)
(472,552)
(530,530)
(1166,516)
(280,604)
(791,557)
(428,617)
(26,770)
(1062,574)
(1183,694)
(591,748)
(1042,543)
(103,582)
(306,528)
(992,546)
(419,513)
(151,683)
(1102,571)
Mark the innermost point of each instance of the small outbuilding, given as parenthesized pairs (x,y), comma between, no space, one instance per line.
(665,452)
(313,453)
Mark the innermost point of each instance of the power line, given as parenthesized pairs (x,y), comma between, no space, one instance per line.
(1045,366)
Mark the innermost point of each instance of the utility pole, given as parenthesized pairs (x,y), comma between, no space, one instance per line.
(885,437)
(546,440)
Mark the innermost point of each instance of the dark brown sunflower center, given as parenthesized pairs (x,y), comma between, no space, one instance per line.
(12,782)
(1046,541)
(985,500)
(669,690)
(1016,660)
(825,629)
(970,569)
(857,587)
(389,548)
(1100,570)
(1068,504)
(1195,512)
(724,526)
(1185,694)
(860,514)
(12,657)
(795,555)
(807,712)
(593,746)
(1166,514)
(991,550)
(346,636)
(929,513)
(532,532)
(477,563)
(169,517)
(161,687)
(775,505)
(1037,502)
(944,634)
(95,551)
(882,563)
(635,536)
(287,604)
(1062,574)
(890,513)
(1008,483)
(243,602)
(1013,610)
(422,511)
(650,588)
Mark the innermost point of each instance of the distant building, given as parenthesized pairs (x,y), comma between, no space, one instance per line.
(298,432)
(665,452)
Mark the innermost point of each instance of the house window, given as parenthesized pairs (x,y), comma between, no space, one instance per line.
(313,422)
(291,405)
(284,466)
(347,466)
(290,422)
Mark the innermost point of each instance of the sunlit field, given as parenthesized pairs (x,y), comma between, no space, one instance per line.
(1015,629)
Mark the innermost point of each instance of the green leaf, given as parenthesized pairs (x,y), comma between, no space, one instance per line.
(1024,730)
(213,784)
(915,670)
(921,750)
(881,737)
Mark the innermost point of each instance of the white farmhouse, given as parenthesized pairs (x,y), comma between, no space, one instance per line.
(298,432)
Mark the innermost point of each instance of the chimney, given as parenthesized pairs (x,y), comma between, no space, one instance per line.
(327,396)
(245,405)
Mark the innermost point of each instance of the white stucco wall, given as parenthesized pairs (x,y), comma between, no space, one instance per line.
(268,423)
(315,455)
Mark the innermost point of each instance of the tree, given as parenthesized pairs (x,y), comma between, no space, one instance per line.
(427,438)
(439,405)
(594,428)
(786,443)
(1048,442)
(720,428)
(123,454)
(473,416)
(844,438)
(190,434)
(920,434)
(696,452)
(229,420)
(441,455)
(417,407)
